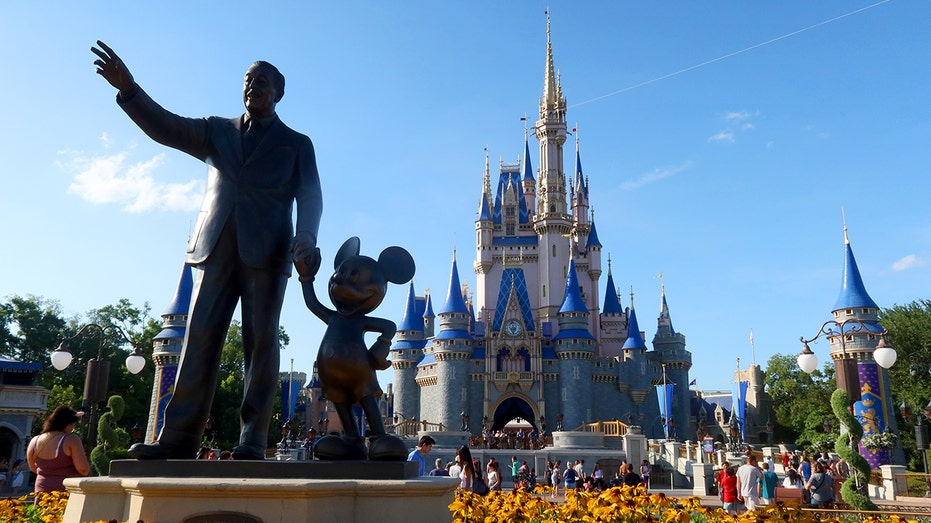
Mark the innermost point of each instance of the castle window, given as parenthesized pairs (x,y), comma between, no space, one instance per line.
(509,229)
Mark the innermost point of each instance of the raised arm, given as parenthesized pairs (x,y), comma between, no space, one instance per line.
(307,263)
(112,68)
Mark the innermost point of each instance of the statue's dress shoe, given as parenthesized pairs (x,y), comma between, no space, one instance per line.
(158,450)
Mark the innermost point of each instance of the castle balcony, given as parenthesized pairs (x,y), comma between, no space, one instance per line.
(524,380)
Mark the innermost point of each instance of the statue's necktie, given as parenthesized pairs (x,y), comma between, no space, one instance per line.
(250,137)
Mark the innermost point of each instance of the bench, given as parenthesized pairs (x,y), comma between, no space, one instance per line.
(790,495)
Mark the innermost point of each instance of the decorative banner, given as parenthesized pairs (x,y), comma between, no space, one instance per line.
(870,411)
(289,399)
(664,396)
(739,398)
(165,380)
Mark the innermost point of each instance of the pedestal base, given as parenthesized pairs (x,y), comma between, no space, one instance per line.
(155,499)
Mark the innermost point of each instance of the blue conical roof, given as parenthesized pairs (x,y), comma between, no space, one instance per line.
(411,321)
(634,339)
(181,303)
(428,308)
(852,293)
(665,320)
(593,237)
(528,169)
(580,184)
(612,304)
(484,212)
(454,301)
(572,302)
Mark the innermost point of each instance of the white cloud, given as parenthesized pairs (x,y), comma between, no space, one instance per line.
(909,262)
(737,115)
(722,137)
(654,176)
(110,179)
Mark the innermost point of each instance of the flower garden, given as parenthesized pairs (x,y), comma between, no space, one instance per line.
(615,505)
(626,504)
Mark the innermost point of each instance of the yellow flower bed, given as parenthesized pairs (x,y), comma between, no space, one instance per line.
(47,508)
(618,505)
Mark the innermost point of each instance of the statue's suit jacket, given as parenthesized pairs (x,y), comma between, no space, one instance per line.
(256,192)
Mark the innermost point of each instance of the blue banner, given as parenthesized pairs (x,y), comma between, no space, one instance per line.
(664,396)
(739,406)
(289,399)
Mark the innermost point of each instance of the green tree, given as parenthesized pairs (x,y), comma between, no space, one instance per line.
(909,329)
(799,401)
(29,331)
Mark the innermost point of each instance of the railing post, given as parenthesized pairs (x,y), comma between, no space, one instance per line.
(894,481)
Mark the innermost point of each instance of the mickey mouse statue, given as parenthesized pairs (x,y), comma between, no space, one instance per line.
(345,364)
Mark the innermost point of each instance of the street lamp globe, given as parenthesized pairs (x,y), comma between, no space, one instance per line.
(807,361)
(884,356)
(61,357)
(135,362)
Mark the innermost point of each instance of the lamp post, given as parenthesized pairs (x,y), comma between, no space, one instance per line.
(883,355)
(96,381)
(734,433)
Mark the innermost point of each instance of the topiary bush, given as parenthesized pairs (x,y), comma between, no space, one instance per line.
(860,470)
(108,439)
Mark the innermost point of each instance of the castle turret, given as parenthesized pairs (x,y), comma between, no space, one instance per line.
(857,334)
(166,351)
(451,352)
(612,322)
(575,348)
(407,351)
(669,351)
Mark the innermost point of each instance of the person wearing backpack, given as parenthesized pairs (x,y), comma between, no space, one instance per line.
(570,476)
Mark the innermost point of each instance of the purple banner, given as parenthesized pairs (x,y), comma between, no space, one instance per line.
(870,410)
(165,380)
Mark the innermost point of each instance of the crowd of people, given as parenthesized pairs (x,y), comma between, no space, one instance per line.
(751,484)
(503,439)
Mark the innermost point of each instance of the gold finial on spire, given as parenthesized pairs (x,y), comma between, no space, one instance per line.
(844,218)
(631,296)
(576,131)
(609,263)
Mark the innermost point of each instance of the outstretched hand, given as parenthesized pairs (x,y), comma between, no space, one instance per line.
(113,69)
(307,261)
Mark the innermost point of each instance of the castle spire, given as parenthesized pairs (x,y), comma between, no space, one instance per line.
(572,301)
(634,339)
(454,301)
(549,82)
(612,303)
(852,292)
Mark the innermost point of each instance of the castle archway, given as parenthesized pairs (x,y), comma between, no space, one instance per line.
(511,408)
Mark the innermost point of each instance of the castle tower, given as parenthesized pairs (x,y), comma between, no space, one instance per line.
(166,351)
(444,388)
(575,348)
(552,223)
(852,344)
(669,349)
(408,350)
(613,322)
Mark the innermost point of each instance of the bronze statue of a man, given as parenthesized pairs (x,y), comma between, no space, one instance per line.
(241,247)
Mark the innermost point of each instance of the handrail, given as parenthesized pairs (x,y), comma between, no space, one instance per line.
(609,428)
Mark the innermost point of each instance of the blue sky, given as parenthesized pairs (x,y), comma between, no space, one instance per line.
(721,140)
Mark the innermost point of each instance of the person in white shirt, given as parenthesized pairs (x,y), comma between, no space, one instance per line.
(748,483)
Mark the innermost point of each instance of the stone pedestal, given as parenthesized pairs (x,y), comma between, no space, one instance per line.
(260,492)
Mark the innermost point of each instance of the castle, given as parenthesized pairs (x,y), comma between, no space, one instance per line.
(536,343)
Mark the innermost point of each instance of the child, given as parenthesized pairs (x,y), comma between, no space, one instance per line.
(19,472)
